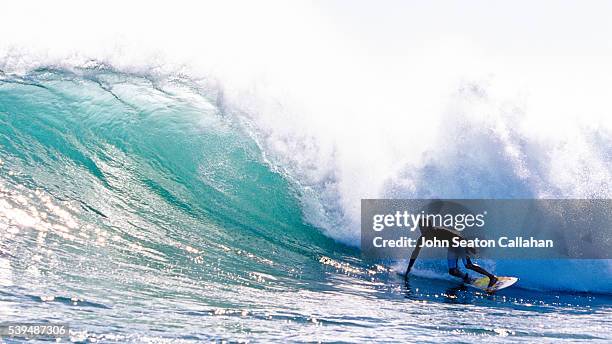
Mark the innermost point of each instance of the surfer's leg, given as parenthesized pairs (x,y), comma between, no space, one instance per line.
(475,267)
(453,267)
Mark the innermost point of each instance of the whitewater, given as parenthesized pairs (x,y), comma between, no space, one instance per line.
(197,195)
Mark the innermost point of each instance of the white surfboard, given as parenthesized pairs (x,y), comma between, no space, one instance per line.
(502,282)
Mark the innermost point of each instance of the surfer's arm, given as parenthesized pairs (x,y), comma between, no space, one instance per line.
(414,255)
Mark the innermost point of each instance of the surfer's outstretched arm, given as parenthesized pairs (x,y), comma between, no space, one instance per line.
(414,256)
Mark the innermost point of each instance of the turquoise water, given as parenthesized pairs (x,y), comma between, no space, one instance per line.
(136,209)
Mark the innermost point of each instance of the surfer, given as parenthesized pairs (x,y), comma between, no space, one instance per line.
(454,253)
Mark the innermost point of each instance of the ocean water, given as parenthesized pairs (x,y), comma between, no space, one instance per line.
(147,209)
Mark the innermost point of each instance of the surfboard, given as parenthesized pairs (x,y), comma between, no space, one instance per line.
(502,282)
